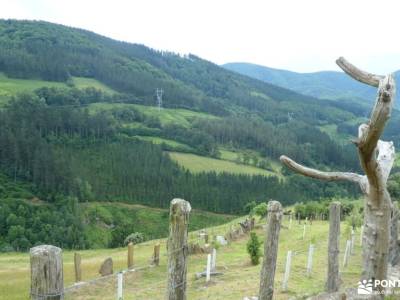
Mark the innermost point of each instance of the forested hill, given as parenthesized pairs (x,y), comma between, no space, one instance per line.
(86,129)
(323,84)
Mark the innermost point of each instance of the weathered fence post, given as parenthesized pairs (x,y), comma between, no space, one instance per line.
(287,271)
(304,231)
(310,259)
(290,221)
(130,255)
(208,268)
(267,276)
(332,283)
(120,281)
(156,255)
(47,281)
(77,265)
(177,249)
(347,253)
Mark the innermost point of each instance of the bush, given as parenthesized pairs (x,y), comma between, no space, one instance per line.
(135,238)
(261,210)
(253,248)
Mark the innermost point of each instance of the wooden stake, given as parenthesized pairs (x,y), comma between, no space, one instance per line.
(130,255)
(177,249)
(310,259)
(268,268)
(214,259)
(353,241)
(287,271)
(78,270)
(120,280)
(347,253)
(156,255)
(47,280)
(208,269)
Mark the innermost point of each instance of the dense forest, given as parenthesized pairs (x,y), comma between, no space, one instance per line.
(69,153)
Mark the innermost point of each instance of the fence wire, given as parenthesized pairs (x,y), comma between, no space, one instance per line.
(239,278)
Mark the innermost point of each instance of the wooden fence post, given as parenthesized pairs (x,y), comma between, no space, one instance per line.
(47,280)
(130,255)
(267,276)
(156,255)
(177,249)
(78,270)
(287,271)
(332,283)
(304,231)
(310,259)
(347,253)
(290,221)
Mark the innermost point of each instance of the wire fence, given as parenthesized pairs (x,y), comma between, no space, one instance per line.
(236,278)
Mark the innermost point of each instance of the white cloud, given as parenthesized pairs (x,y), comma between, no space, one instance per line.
(305,35)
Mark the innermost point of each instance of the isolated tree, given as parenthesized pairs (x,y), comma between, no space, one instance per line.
(376,158)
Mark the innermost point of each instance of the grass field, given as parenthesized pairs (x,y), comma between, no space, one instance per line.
(158,140)
(13,86)
(197,163)
(166,116)
(240,278)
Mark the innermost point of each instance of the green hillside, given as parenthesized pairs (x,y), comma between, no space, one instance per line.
(88,130)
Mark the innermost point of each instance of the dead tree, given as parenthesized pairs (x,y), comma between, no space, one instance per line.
(376,159)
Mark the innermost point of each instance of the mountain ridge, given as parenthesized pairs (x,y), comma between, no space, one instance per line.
(332,85)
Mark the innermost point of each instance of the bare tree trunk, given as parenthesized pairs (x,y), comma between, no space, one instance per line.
(394,250)
(376,158)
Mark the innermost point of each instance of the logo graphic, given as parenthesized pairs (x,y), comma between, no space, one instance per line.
(365,287)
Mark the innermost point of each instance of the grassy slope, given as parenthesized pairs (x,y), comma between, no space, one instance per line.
(153,222)
(13,86)
(196,163)
(240,278)
(166,116)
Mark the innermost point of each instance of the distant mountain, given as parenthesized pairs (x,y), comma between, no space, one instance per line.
(324,84)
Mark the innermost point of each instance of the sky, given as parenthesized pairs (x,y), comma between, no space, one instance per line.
(302,36)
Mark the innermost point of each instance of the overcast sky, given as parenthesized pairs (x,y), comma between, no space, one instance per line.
(303,36)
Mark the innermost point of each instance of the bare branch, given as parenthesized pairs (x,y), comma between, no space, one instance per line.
(329,176)
(357,74)
(370,133)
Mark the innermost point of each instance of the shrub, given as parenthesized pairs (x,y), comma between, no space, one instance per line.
(135,238)
(253,248)
(261,210)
